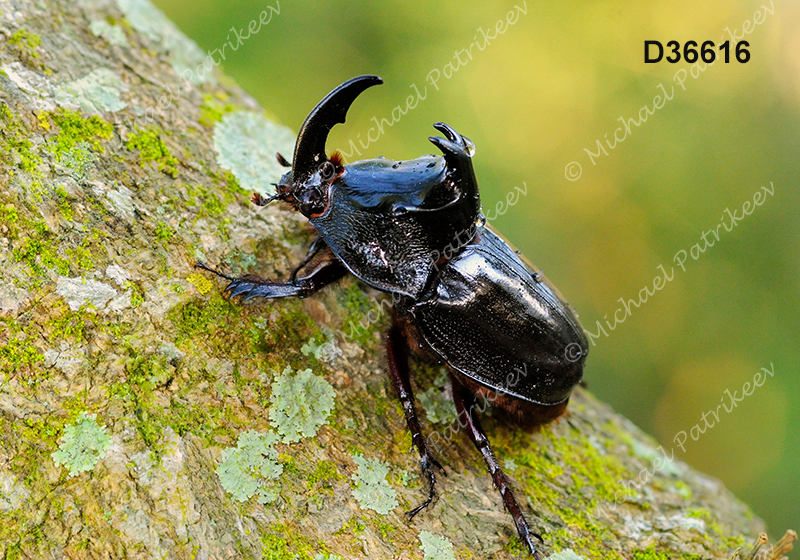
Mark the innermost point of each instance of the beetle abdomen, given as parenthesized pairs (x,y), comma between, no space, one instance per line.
(489,319)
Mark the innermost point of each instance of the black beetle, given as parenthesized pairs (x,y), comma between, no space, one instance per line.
(413,229)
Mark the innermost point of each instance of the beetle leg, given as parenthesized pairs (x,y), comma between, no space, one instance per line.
(398,367)
(316,246)
(465,408)
(251,286)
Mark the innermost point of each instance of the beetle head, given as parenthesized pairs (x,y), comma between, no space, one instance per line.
(308,196)
(306,186)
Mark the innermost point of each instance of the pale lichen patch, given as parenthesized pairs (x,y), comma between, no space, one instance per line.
(327,556)
(164,295)
(136,526)
(12,299)
(327,351)
(119,199)
(120,302)
(170,351)
(165,36)
(118,274)
(66,359)
(79,292)
(36,89)
(246,143)
(301,404)
(113,34)
(96,92)
(83,445)
(13,493)
(79,160)
(656,456)
(566,554)
(372,490)
(245,470)
(438,406)
(684,522)
(435,547)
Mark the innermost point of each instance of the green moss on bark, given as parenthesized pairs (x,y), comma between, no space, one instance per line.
(153,149)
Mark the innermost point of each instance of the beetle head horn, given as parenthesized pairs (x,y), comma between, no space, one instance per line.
(309,151)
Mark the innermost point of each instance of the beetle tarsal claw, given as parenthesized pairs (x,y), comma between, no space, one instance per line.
(252,287)
(238,287)
(426,464)
(529,545)
(411,514)
(438,465)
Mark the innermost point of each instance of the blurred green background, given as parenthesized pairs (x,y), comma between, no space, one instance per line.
(553,84)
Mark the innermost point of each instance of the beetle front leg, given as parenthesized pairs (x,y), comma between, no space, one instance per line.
(313,250)
(398,367)
(251,286)
(465,408)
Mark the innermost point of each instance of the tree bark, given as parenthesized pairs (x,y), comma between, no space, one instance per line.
(127,380)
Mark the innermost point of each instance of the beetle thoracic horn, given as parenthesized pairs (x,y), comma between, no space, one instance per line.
(309,150)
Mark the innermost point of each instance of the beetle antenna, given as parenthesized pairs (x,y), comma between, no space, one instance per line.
(204,266)
(260,200)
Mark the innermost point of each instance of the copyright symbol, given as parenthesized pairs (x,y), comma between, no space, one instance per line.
(573,352)
(327,171)
(573,171)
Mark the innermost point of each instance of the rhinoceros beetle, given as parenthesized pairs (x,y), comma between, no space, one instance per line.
(503,331)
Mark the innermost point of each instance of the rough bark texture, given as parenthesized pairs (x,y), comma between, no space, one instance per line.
(126,379)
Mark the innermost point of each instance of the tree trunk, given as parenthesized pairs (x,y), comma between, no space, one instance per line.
(143,415)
